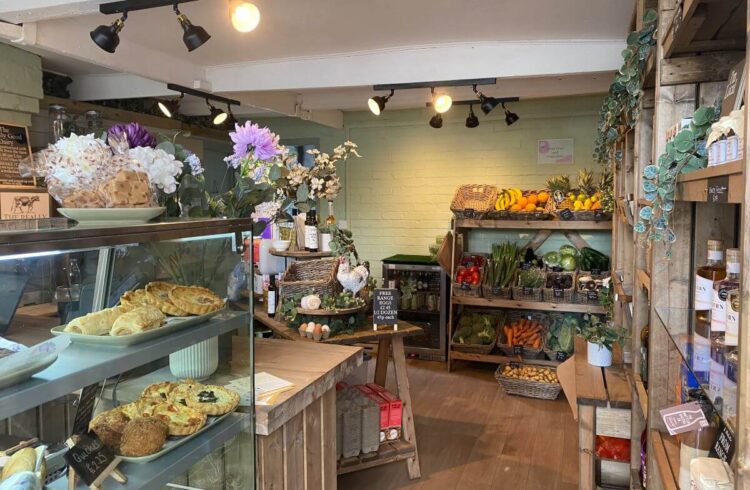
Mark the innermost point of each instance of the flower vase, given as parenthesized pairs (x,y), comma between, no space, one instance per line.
(599,355)
(325,242)
(197,362)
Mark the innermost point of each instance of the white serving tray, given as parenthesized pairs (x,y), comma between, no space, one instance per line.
(172,324)
(111,216)
(173,442)
(35,365)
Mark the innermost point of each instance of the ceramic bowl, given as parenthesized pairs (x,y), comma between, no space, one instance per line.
(281,245)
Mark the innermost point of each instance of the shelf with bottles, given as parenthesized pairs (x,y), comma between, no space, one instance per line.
(694,186)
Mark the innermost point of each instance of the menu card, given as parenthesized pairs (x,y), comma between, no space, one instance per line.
(14,147)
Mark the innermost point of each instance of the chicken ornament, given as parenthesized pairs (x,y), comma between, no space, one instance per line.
(352,279)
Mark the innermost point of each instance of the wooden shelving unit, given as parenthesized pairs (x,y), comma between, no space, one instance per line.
(533,224)
(704,25)
(390,452)
(526,305)
(694,185)
(500,359)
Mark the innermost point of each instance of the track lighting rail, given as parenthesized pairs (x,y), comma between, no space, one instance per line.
(201,94)
(132,5)
(445,83)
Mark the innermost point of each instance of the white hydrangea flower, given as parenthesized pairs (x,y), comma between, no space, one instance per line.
(161,167)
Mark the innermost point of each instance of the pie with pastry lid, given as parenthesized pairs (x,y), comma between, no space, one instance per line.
(181,420)
(158,294)
(134,299)
(212,399)
(195,300)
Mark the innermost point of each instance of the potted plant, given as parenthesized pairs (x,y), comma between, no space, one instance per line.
(601,337)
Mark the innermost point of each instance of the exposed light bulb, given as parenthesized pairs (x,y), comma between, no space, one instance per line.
(245,16)
(442,103)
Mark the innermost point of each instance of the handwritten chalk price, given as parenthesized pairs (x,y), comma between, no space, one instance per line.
(385,308)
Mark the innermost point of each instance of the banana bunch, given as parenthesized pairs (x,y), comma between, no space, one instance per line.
(507,198)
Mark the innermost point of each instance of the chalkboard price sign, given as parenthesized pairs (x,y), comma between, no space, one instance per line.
(718,189)
(385,307)
(14,147)
(90,458)
(561,356)
(566,214)
(724,444)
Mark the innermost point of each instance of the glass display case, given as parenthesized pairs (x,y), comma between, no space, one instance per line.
(423,297)
(162,303)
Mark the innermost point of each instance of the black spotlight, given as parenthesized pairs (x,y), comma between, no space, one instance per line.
(170,108)
(217,115)
(510,117)
(486,103)
(436,121)
(107,37)
(194,36)
(231,120)
(472,121)
(377,103)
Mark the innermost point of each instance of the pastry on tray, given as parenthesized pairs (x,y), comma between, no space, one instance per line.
(181,420)
(134,299)
(181,391)
(143,407)
(158,294)
(143,436)
(195,300)
(108,426)
(97,323)
(212,399)
(138,320)
(159,391)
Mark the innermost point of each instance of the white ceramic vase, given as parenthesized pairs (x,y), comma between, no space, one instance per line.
(197,362)
(598,355)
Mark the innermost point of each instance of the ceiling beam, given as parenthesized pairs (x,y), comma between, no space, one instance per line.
(435,62)
(21,11)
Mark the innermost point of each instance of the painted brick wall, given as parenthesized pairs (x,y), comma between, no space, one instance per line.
(397,196)
(20,85)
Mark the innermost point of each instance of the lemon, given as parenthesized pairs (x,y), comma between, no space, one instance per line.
(577,205)
(594,198)
(581,197)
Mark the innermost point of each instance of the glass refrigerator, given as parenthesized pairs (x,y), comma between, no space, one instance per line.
(423,301)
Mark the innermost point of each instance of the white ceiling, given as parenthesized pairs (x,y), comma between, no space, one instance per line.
(322,55)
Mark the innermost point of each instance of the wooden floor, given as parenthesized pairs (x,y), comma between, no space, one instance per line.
(472,435)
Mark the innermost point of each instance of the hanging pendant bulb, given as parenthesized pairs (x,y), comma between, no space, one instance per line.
(245,16)
(436,121)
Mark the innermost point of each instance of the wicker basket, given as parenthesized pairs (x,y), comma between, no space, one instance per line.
(497,292)
(526,294)
(513,316)
(523,387)
(473,201)
(585,296)
(466,289)
(479,348)
(533,215)
(552,355)
(552,295)
(586,216)
(310,277)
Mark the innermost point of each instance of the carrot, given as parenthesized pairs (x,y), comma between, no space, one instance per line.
(537,343)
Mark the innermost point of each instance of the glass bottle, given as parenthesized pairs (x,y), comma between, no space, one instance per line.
(729,390)
(94,123)
(721,292)
(59,123)
(644,356)
(716,373)
(271,301)
(705,278)
(331,219)
(311,232)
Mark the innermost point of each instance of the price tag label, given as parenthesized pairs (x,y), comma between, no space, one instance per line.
(527,291)
(385,306)
(683,418)
(90,458)
(599,215)
(592,295)
(566,214)
(561,356)
(496,290)
(724,444)
(526,266)
(469,213)
(557,293)
(557,269)
(596,272)
(718,189)
(85,408)
(517,350)
(515,365)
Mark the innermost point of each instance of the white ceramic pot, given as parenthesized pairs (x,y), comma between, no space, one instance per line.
(325,242)
(599,356)
(197,362)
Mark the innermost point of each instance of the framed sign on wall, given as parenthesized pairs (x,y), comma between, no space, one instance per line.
(14,147)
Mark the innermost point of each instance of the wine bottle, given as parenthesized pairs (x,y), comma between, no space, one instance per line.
(272,297)
(311,232)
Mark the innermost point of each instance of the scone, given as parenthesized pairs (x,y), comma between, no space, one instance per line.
(159,391)
(158,295)
(181,420)
(180,392)
(195,300)
(134,299)
(137,320)
(212,399)
(97,323)
(143,436)
(108,426)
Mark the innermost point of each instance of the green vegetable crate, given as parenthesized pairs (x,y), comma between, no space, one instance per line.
(560,340)
(553,294)
(528,285)
(477,325)
(587,295)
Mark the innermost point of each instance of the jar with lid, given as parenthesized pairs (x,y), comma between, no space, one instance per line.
(59,123)
(94,123)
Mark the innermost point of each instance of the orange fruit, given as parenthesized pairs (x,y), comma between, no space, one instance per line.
(515,207)
(530,207)
(596,205)
(532,198)
(543,197)
(523,201)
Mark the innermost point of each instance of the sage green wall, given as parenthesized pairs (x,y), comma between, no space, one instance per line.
(396,197)
(20,85)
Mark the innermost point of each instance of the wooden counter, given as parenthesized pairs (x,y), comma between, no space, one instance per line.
(296,436)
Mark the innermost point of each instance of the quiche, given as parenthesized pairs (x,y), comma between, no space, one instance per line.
(158,294)
(181,420)
(180,392)
(159,391)
(134,299)
(143,407)
(195,300)
(212,399)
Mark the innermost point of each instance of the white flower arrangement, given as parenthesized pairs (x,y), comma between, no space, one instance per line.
(161,167)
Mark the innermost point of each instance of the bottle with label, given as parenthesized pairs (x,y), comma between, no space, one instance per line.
(731,336)
(311,232)
(721,293)
(729,390)
(331,219)
(705,278)
(716,373)
(644,356)
(271,302)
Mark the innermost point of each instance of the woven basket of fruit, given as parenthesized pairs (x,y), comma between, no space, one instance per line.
(473,201)
(529,205)
(559,287)
(583,203)
(476,332)
(588,286)
(528,284)
(523,333)
(531,381)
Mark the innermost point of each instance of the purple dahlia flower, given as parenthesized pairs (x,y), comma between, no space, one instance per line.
(251,138)
(136,134)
